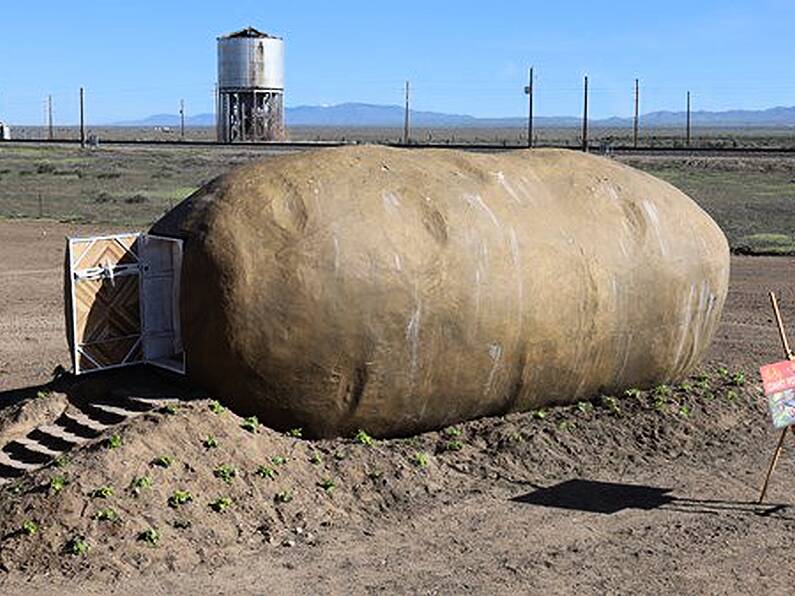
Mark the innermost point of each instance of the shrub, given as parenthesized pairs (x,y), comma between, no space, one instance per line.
(251,424)
(103,492)
(77,545)
(363,438)
(225,472)
(454,446)
(179,497)
(140,483)
(29,527)
(266,472)
(150,536)
(221,504)
(284,496)
(57,484)
(420,459)
(163,461)
(106,514)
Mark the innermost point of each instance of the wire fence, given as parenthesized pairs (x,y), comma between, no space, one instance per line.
(674,118)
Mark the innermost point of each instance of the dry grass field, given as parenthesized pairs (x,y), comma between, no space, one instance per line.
(752,197)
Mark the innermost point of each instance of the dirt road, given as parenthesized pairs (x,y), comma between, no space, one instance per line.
(679,519)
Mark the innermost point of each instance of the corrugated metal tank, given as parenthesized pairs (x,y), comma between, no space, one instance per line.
(250,62)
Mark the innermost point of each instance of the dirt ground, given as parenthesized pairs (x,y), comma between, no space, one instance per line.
(649,493)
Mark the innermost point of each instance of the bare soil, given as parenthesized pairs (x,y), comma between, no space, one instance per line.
(653,492)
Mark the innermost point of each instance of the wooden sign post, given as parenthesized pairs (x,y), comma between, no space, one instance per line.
(771,390)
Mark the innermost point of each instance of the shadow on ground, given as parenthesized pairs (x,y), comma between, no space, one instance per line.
(594,496)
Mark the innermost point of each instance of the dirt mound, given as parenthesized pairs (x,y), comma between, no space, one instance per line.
(191,483)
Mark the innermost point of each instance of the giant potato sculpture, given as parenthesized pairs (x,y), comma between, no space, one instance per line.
(403,290)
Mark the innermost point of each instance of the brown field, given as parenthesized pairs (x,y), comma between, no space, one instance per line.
(500,505)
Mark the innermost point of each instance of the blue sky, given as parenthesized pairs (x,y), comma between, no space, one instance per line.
(137,58)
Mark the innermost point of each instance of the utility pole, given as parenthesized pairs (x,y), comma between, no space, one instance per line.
(529,91)
(585,116)
(82,119)
(406,121)
(182,119)
(687,141)
(635,123)
(49,117)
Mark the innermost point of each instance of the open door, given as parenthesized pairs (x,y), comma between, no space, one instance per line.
(122,296)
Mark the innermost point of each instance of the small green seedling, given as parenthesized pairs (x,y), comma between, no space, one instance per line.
(327,484)
(251,424)
(339,455)
(210,443)
(611,403)
(284,496)
(140,483)
(114,441)
(420,459)
(106,514)
(684,410)
(633,393)
(452,431)
(29,527)
(77,546)
(723,372)
(163,461)
(169,409)
(43,394)
(179,497)
(738,379)
(731,395)
(278,460)
(225,472)
(703,384)
(686,387)
(363,438)
(316,458)
(539,414)
(565,425)
(585,407)
(266,472)
(454,445)
(103,492)
(221,504)
(216,407)
(375,474)
(662,391)
(61,461)
(57,484)
(295,433)
(150,536)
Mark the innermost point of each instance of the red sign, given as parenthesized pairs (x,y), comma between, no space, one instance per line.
(778,377)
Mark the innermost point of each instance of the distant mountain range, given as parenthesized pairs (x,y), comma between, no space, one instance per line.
(372,115)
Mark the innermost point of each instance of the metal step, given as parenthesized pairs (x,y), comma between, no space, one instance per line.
(32,445)
(5,460)
(61,433)
(87,421)
(115,410)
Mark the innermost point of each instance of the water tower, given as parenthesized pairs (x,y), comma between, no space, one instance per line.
(250,87)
